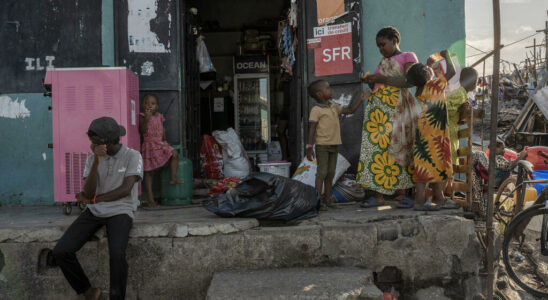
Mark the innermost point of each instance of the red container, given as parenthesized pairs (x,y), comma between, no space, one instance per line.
(535,157)
(508,154)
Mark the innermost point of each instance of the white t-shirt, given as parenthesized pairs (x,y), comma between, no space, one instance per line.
(112,172)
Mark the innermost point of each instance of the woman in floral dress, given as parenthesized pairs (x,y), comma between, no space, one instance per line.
(385,164)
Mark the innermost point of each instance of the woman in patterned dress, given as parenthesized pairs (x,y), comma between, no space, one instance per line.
(432,149)
(385,164)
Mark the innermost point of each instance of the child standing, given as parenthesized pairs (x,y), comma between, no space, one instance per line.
(325,131)
(156,151)
(432,150)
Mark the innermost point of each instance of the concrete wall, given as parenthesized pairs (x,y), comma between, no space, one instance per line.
(426,27)
(177,261)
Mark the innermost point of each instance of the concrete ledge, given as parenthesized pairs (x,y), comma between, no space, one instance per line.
(294,283)
(173,254)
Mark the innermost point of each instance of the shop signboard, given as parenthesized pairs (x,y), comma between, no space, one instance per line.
(250,64)
(329,10)
(332,49)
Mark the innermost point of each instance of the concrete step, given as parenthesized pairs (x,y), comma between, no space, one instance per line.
(294,283)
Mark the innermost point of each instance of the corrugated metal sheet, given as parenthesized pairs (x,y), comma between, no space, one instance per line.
(541,100)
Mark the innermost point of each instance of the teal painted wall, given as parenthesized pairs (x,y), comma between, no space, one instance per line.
(426,27)
(107,32)
(26,162)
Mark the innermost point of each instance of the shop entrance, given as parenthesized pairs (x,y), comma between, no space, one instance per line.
(251,81)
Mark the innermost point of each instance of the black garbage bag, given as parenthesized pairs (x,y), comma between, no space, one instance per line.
(267,196)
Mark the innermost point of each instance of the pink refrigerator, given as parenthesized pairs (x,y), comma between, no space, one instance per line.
(80,95)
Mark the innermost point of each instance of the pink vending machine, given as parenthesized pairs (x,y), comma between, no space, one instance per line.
(80,95)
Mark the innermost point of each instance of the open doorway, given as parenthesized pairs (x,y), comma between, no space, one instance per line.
(250,84)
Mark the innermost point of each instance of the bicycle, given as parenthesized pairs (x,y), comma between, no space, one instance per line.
(506,207)
(523,262)
(527,266)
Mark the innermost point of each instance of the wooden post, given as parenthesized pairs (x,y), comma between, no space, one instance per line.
(519,75)
(492,151)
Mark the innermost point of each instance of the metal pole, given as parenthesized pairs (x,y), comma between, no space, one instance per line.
(483,108)
(492,150)
(546,49)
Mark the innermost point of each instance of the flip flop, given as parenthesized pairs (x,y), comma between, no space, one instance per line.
(406,202)
(323,207)
(449,204)
(371,202)
(428,206)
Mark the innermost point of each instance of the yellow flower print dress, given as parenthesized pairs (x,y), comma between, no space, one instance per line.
(378,170)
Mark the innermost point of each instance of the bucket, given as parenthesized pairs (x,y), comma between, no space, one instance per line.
(178,194)
(539,175)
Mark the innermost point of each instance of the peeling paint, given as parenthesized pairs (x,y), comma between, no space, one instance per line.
(149,26)
(147,68)
(44,156)
(13,109)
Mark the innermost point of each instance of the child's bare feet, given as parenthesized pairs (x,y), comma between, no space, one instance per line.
(176,181)
(151,203)
(92,294)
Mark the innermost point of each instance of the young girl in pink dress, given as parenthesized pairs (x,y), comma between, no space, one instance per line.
(155,150)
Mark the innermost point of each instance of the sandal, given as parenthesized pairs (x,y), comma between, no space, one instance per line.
(406,202)
(428,206)
(449,204)
(323,207)
(371,202)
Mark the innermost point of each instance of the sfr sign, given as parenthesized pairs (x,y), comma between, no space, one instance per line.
(334,55)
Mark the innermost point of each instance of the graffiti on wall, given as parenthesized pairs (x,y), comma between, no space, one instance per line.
(38,64)
(149,26)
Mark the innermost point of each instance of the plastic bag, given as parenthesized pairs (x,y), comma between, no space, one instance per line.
(274,151)
(235,161)
(223,185)
(202,54)
(211,157)
(306,171)
(348,190)
(267,197)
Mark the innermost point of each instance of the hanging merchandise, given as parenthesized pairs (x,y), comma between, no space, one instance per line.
(286,46)
(292,16)
(203,56)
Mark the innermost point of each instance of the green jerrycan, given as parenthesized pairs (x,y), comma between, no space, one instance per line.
(178,194)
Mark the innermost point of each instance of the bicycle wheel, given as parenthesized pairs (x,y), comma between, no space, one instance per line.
(521,251)
(504,201)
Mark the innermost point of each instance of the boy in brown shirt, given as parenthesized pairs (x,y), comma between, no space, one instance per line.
(324,125)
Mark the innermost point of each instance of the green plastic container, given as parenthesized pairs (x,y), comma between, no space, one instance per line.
(178,194)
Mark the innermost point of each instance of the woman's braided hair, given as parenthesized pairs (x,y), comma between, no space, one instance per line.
(389,32)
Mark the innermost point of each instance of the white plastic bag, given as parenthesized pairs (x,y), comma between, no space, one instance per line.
(306,172)
(235,159)
(203,56)
(274,151)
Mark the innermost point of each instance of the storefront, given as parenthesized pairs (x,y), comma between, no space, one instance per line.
(157,39)
(262,55)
